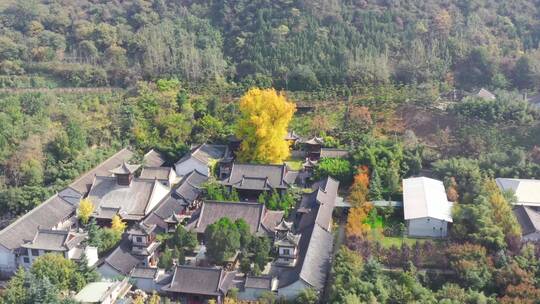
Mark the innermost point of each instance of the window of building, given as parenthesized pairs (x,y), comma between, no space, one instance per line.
(286,251)
(26,260)
(139,239)
(35,252)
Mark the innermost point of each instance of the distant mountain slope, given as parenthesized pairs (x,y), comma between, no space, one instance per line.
(299,45)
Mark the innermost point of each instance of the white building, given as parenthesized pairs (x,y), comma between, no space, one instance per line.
(527,191)
(426,207)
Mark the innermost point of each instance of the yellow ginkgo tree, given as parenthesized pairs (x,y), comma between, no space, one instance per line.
(85,210)
(264,118)
(117,225)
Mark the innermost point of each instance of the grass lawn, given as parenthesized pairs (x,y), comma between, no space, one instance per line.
(389,241)
(377,225)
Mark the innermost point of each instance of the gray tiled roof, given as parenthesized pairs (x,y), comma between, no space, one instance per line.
(55,240)
(188,190)
(291,135)
(314,259)
(528,219)
(200,281)
(141,228)
(334,153)
(205,152)
(320,203)
(259,177)
(131,200)
(191,185)
(316,241)
(144,272)
(258,282)
(212,211)
(125,168)
(314,141)
(161,173)
(153,159)
(271,219)
(289,239)
(70,195)
(48,239)
(46,215)
(317,259)
(121,258)
(83,183)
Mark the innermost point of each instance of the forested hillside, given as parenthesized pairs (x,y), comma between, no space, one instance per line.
(394,83)
(290,44)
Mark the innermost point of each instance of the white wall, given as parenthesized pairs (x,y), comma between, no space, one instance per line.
(428,227)
(91,255)
(189,165)
(158,193)
(8,262)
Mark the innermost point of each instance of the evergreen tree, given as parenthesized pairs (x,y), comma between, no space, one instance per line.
(375,186)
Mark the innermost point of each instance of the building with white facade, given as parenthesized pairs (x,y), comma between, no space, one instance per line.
(426,208)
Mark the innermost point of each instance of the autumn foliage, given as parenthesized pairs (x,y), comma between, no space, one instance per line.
(356,221)
(85,210)
(262,126)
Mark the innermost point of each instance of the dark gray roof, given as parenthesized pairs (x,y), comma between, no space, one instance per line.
(259,177)
(314,141)
(291,135)
(191,186)
(121,258)
(161,173)
(314,259)
(83,183)
(125,168)
(316,241)
(106,194)
(211,212)
(48,239)
(528,219)
(205,152)
(258,282)
(70,195)
(284,225)
(46,215)
(153,159)
(200,281)
(334,153)
(144,272)
(176,201)
(142,228)
(317,259)
(319,204)
(289,239)
(271,219)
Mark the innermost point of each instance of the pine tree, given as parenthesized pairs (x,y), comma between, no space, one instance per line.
(375,187)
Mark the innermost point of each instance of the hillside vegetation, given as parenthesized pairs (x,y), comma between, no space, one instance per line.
(290,44)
